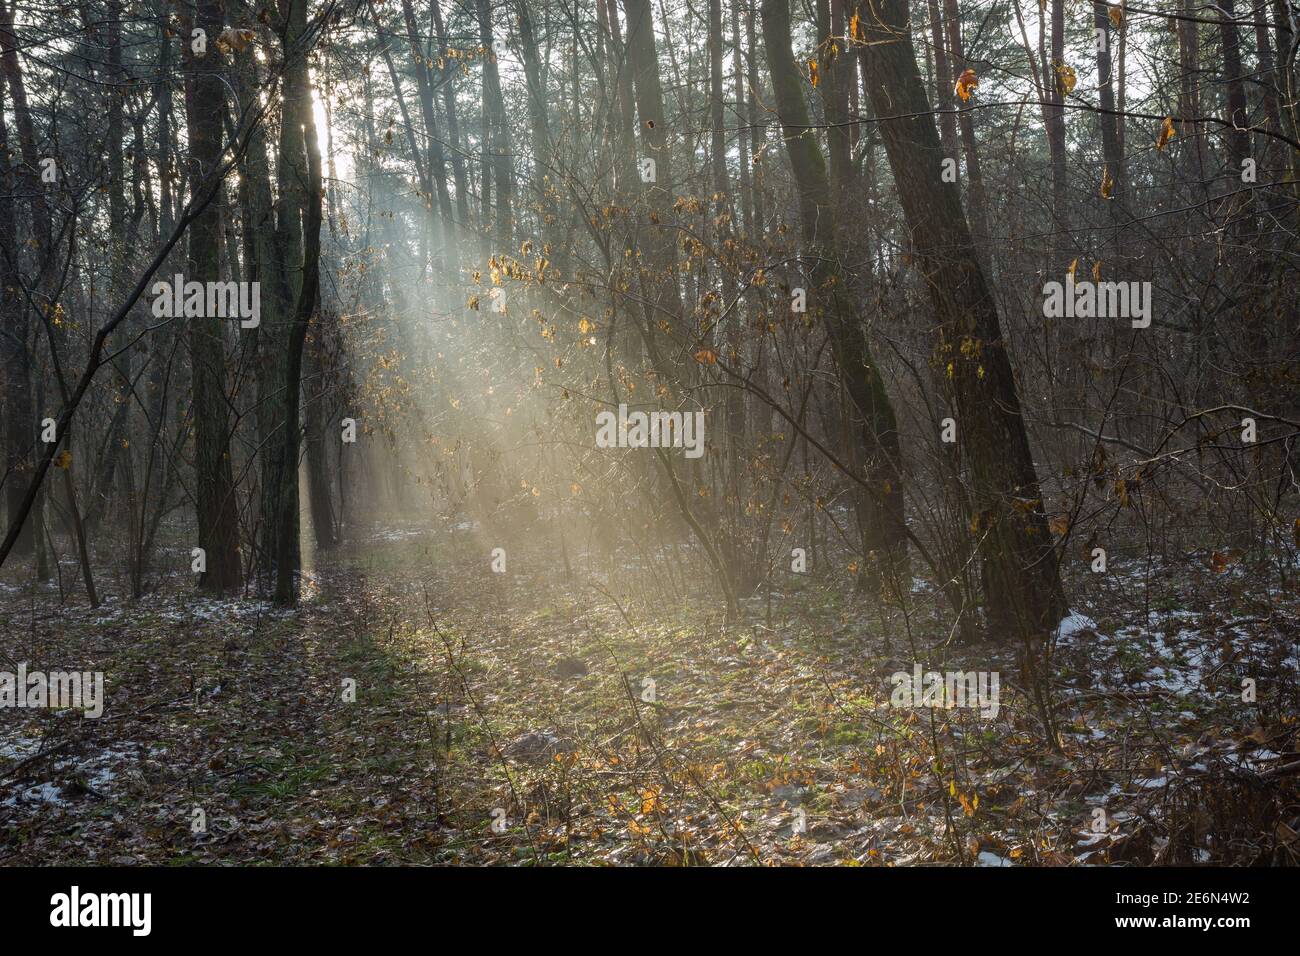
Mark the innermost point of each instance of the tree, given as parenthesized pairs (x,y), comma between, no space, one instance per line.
(214,492)
(1022,585)
(884,531)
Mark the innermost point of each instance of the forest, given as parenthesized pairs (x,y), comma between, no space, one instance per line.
(650,432)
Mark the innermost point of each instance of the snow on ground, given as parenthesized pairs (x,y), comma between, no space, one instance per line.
(1073,624)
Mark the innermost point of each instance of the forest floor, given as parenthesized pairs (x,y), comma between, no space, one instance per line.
(528,718)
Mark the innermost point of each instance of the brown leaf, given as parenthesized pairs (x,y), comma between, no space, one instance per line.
(1220,561)
(965,83)
(1166,134)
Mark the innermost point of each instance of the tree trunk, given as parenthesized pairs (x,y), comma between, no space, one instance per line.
(437,163)
(215,505)
(1056,118)
(21,427)
(1022,588)
(885,534)
(453,119)
(497,125)
(301,179)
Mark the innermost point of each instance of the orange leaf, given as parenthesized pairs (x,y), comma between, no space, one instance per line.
(1066,79)
(1220,561)
(1166,134)
(965,83)
(706,357)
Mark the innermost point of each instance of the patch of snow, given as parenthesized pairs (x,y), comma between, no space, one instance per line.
(1072,624)
(20,748)
(41,793)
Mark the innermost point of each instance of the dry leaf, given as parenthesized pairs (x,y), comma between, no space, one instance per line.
(965,83)
(1066,79)
(232,39)
(1166,134)
(1220,561)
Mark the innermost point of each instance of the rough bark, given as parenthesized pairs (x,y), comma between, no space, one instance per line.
(214,493)
(884,532)
(1022,587)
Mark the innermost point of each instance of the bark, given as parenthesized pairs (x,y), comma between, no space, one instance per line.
(1022,588)
(884,532)
(741,110)
(944,81)
(978,200)
(453,119)
(756,130)
(301,179)
(14,358)
(540,123)
(662,294)
(497,144)
(1056,115)
(214,491)
(1238,136)
(21,418)
(838,71)
(1110,146)
(315,426)
(437,159)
